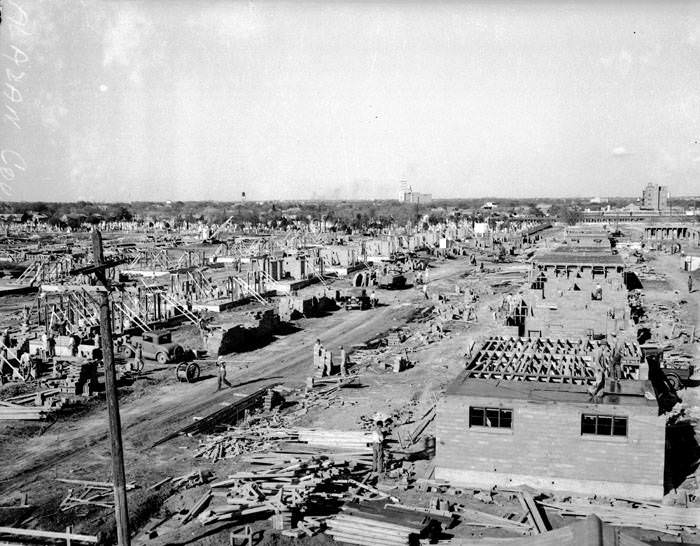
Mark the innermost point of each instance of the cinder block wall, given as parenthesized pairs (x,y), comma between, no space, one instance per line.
(545,448)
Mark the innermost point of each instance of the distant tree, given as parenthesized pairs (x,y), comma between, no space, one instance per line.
(567,214)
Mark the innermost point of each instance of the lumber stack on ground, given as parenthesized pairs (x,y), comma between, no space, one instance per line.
(17,412)
(665,519)
(350,440)
(369,526)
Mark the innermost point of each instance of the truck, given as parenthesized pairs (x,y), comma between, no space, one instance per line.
(676,369)
(156,345)
(355,298)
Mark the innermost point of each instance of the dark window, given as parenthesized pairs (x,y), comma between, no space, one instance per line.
(603,425)
(476,417)
(619,426)
(490,417)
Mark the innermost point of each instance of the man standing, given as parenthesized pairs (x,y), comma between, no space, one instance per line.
(44,346)
(52,345)
(25,362)
(73,345)
(221,369)
(138,359)
(373,299)
(327,363)
(317,354)
(596,356)
(690,284)
(378,449)
(616,362)
(343,362)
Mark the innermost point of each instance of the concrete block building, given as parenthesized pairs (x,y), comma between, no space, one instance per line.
(542,428)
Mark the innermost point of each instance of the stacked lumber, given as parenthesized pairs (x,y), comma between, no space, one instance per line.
(366,526)
(40,398)
(665,519)
(288,456)
(350,440)
(13,412)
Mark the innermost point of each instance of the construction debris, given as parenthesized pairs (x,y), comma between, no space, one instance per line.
(664,519)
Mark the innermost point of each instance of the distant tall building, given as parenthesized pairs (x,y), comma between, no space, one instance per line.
(407,195)
(655,197)
(403,190)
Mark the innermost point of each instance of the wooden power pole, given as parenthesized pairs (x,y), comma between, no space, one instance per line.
(121,511)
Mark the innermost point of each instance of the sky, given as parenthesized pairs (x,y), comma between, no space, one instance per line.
(165,100)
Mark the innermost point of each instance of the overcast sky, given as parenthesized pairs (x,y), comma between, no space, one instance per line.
(203,100)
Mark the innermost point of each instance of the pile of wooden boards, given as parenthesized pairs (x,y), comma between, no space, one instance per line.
(90,493)
(290,455)
(31,406)
(239,441)
(350,440)
(288,484)
(372,526)
(653,517)
(12,412)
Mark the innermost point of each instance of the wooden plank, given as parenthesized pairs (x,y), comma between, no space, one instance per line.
(37,533)
(536,519)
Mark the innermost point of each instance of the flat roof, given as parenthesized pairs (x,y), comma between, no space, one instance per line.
(569,256)
(632,391)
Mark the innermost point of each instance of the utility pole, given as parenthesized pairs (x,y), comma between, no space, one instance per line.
(121,512)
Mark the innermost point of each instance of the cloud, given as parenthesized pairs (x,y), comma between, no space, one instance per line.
(620,151)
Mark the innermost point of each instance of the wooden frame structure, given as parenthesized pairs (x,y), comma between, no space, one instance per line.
(543,359)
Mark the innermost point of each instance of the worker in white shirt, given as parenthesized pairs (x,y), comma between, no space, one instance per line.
(378,449)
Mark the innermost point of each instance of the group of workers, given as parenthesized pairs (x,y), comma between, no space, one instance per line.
(323,360)
(607,365)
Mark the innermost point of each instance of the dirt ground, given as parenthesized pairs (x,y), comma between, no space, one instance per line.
(76,445)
